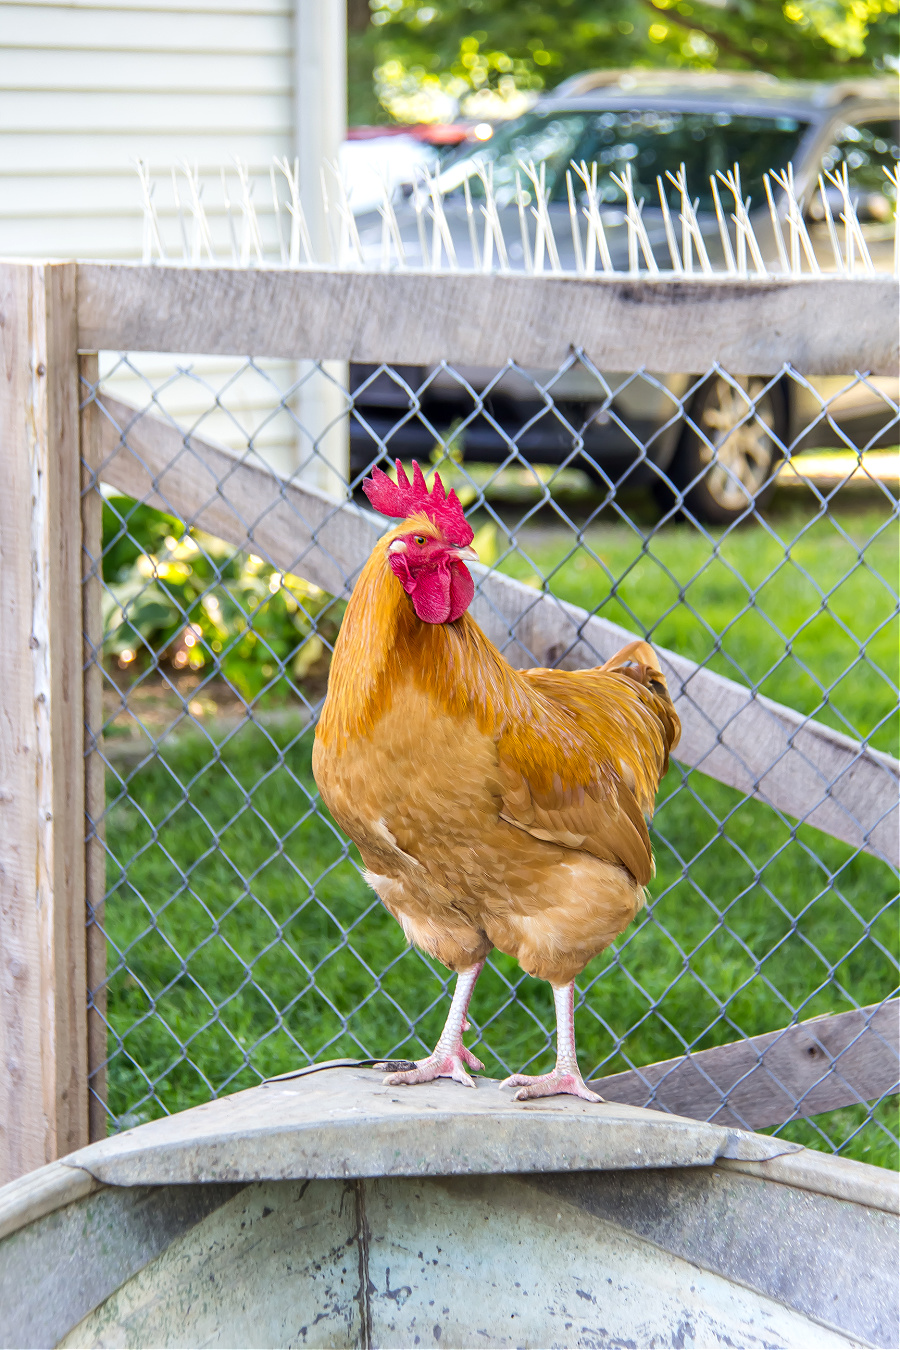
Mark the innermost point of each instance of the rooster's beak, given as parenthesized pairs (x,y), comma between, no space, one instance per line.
(464,554)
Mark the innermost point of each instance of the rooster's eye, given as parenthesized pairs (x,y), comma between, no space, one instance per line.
(419,539)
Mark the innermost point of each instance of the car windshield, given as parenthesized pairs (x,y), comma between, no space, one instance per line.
(650,140)
(868,150)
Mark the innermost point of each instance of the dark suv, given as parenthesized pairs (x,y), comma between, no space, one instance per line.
(652,121)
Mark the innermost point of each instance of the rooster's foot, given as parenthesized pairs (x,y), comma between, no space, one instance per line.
(440,1064)
(550,1085)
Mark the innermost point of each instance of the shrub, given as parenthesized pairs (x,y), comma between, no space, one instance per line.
(179,598)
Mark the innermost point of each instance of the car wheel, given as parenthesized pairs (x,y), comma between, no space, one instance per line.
(727,465)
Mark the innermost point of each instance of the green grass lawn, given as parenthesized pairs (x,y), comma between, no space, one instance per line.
(803,608)
(244,942)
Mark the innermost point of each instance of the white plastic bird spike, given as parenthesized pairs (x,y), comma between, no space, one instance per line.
(257,218)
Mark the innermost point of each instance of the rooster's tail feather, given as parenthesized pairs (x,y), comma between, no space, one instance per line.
(640,663)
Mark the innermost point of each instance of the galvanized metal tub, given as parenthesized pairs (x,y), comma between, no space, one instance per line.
(332,1211)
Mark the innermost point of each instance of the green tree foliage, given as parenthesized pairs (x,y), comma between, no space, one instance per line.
(410,60)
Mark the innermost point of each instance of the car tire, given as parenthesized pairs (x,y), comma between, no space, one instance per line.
(728,452)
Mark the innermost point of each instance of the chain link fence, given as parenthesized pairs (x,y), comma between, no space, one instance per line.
(750,526)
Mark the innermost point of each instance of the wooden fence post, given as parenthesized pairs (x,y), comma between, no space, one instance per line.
(43,1022)
(94,767)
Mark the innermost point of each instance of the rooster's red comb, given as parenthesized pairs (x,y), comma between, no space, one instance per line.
(405,498)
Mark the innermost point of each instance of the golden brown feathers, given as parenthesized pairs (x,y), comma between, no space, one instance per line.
(496,779)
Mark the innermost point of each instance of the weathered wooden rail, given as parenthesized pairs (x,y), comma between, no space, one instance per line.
(819,325)
(51,692)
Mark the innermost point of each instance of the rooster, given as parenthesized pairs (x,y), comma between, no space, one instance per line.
(492,807)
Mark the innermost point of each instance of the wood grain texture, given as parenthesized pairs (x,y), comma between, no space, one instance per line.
(822,326)
(94,769)
(295,528)
(820,1065)
(768,751)
(43,1023)
(21,1095)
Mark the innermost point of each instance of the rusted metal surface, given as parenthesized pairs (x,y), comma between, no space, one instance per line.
(790,1244)
(58,1269)
(668,1257)
(331,1211)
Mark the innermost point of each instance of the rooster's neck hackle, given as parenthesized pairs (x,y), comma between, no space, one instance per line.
(382,645)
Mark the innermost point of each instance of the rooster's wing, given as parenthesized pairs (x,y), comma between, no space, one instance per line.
(589,787)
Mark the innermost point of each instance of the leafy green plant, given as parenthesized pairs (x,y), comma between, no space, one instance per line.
(182,598)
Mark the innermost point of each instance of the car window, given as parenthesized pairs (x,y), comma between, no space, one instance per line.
(651,141)
(550,138)
(654,142)
(867,149)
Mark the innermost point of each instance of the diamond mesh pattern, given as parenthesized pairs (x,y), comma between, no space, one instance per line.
(241,939)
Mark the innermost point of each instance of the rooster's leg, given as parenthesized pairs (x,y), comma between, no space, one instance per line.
(449,1057)
(566,1077)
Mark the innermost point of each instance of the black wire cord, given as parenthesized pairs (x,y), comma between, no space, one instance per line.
(389,1066)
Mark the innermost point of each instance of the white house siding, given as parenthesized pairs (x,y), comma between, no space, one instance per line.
(248,420)
(86,88)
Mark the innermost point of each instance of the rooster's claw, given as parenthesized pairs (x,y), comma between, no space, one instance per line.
(437,1066)
(550,1085)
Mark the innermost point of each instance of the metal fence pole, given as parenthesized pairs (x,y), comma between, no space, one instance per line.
(43,1025)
